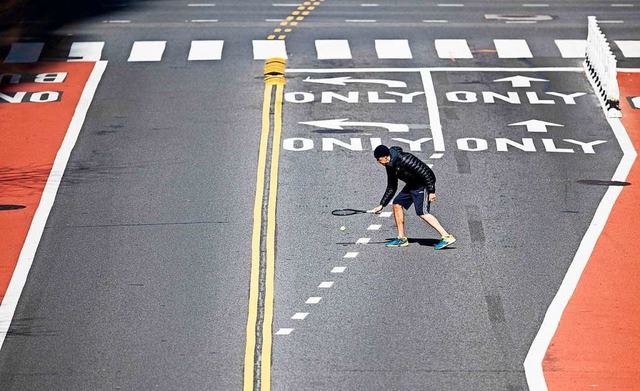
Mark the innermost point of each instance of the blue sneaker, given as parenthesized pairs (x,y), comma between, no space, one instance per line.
(446,240)
(398,242)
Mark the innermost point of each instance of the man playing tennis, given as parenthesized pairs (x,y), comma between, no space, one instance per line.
(420,188)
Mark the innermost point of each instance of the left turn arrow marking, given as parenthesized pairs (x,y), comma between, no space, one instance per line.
(338,124)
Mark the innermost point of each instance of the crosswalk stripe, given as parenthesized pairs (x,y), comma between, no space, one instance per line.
(24,52)
(393,49)
(147,51)
(453,48)
(333,49)
(572,48)
(205,50)
(512,48)
(86,51)
(326,49)
(263,49)
(630,49)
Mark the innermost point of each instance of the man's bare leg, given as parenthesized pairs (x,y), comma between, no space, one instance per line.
(432,221)
(398,214)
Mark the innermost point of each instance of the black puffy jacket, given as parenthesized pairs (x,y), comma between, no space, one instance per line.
(409,169)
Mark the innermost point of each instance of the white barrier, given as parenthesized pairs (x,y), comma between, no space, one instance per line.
(600,66)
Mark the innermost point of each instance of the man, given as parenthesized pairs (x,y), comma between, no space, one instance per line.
(420,183)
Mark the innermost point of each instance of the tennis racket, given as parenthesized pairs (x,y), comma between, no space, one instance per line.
(349,212)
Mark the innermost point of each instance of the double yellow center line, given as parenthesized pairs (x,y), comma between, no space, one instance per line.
(257,359)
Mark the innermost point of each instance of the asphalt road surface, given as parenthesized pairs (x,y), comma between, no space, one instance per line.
(143,275)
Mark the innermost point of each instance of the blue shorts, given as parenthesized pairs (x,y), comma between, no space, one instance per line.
(417,196)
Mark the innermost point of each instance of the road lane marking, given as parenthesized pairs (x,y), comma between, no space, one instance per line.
(453,48)
(86,51)
(22,52)
(540,345)
(351,254)
(265,379)
(313,300)
(374,227)
(201,5)
(572,48)
(36,228)
(360,20)
(363,241)
(435,21)
(386,214)
(512,48)
(338,269)
(264,49)
(205,50)
(433,111)
(630,49)
(284,331)
(325,284)
(147,51)
(300,315)
(393,49)
(333,49)
(259,337)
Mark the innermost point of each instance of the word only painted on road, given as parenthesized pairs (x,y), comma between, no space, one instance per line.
(511,97)
(31,97)
(469,144)
(351,97)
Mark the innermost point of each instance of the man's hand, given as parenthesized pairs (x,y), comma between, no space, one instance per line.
(432,197)
(376,210)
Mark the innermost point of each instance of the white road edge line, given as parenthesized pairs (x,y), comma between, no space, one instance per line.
(28,252)
(432,109)
(535,356)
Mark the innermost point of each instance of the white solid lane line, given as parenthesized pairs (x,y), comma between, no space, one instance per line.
(28,252)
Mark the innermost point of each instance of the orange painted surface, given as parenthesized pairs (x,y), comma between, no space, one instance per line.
(597,344)
(30,136)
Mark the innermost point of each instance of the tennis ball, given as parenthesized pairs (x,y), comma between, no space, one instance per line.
(343,228)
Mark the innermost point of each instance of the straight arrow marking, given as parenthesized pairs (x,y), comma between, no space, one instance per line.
(535,126)
(520,81)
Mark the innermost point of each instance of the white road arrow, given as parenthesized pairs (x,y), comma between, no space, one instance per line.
(339,123)
(341,81)
(520,81)
(536,126)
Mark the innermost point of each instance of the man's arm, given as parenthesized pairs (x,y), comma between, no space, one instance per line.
(392,186)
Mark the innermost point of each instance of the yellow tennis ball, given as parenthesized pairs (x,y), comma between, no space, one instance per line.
(343,228)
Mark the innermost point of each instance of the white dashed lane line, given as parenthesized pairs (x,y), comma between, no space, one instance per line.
(374,227)
(329,284)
